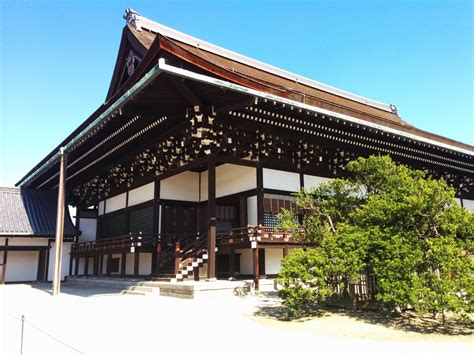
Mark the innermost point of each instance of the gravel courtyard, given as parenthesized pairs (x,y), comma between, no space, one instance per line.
(92,321)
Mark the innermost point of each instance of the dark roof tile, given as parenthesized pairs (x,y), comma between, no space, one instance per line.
(30,213)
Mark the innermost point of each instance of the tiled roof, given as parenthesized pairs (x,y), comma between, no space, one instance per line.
(30,213)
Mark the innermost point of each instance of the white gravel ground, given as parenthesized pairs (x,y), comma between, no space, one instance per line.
(92,321)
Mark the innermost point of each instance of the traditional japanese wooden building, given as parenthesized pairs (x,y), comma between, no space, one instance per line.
(27,229)
(182,170)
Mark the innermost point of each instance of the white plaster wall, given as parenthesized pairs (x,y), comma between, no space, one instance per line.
(101,209)
(281,180)
(252,216)
(88,227)
(181,187)
(104,265)
(231,179)
(145,264)
(129,264)
(273,261)
(313,181)
(82,263)
(25,241)
(21,265)
(468,204)
(116,203)
(91,266)
(246,261)
(141,194)
(64,260)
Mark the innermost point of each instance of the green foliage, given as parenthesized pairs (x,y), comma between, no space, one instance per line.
(404,227)
(303,277)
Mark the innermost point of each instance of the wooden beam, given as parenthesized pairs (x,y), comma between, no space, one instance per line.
(235,104)
(211,209)
(189,94)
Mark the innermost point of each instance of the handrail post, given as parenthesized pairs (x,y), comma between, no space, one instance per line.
(177,258)
(158,258)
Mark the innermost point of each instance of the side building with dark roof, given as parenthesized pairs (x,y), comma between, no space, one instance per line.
(27,229)
(183,169)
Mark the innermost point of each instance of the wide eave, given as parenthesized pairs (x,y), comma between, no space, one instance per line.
(149,46)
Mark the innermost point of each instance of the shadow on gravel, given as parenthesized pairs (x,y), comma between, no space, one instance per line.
(269,306)
(410,321)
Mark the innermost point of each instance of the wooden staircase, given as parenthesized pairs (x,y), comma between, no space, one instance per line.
(183,259)
(192,267)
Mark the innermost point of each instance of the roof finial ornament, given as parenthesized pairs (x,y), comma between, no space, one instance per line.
(394,109)
(131,16)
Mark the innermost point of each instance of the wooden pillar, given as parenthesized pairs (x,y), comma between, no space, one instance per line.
(123,264)
(156,209)
(232,262)
(71,261)
(177,258)
(76,265)
(4,262)
(41,265)
(285,251)
(101,264)
(157,265)
(107,265)
(260,211)
(211,209)
(243,211)
(86,266)
(59,223)
(136,264)
(48,252)
(256,271)
(96,265)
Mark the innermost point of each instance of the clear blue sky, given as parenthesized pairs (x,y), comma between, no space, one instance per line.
(57,57)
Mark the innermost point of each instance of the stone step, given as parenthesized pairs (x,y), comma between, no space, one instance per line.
(141,289)
(117,283)
(133,293)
